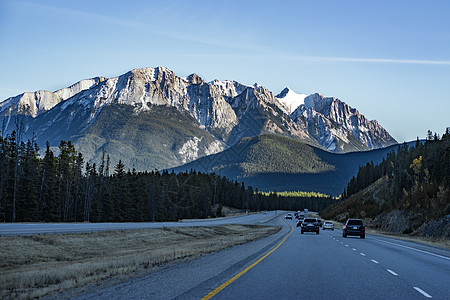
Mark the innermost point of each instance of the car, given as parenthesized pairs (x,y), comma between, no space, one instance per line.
(320,222)
(354,227)
(310,225)
(288,216)
(328,225)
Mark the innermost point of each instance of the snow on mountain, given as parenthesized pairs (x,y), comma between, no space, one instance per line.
(32,104)
(327,117)
(290,99)
(227,110)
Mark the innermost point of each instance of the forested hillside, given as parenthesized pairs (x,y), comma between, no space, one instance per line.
(65,188)
(412,185)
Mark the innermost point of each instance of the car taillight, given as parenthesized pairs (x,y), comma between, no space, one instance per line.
(362,227)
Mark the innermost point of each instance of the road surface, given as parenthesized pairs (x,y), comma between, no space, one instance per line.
(290,265)
(42,228)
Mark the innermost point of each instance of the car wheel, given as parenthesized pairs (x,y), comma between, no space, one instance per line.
(344,235)
(302,232)
(317,231)
(363,236)
(332,229)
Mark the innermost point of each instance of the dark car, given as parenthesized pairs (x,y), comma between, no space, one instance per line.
(320,222)
(300,221)
(310,225)
(354,227)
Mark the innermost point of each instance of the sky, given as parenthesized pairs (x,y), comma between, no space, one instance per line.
(388,59)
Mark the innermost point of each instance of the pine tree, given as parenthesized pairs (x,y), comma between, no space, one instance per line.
(48,193)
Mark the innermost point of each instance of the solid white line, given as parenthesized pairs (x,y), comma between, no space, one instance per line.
(374,261)
(422,292)
(362,254)
(392,272)
(426,252)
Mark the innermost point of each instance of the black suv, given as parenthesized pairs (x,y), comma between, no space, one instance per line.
(311,225)
(354,227)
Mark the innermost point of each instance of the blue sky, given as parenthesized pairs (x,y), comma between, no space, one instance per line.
(388,59)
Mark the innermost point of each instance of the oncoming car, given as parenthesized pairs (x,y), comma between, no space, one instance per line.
(328,225)
(288,216)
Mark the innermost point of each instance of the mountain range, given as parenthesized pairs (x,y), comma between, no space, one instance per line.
(151,118)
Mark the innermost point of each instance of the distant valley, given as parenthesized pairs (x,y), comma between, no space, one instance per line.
(275,163)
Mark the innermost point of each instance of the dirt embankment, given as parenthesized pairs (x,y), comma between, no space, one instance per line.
(34,266)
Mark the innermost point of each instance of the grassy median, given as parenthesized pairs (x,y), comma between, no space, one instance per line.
(36,265)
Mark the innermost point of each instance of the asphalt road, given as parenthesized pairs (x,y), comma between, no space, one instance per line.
(288,265)
(43,228)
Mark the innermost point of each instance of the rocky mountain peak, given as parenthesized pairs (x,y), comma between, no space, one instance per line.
(194,79)
(290,99)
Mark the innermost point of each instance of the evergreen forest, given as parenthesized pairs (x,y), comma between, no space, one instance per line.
(413,178)
(64,187)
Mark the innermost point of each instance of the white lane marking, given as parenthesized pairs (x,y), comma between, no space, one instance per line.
(374,261)
(426,252)
(353,249)
(346,245)
(362,254)
(422,292)
(392,272)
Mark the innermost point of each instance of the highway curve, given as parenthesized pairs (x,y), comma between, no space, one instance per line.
(308,266)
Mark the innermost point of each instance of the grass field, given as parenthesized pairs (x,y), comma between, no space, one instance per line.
(37,265)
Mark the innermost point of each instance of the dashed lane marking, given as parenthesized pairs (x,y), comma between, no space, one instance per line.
(362,254)
(373,260)
(423,292)
(392,272)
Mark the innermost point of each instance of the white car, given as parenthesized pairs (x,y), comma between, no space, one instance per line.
(328,225)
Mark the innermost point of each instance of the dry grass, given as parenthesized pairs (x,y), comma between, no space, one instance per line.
(33,266)
(442,243)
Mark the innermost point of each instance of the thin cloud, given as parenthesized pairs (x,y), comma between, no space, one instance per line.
(211,40)
(369,60)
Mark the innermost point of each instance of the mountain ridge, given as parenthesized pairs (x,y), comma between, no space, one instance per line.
(226,110)
(289,165)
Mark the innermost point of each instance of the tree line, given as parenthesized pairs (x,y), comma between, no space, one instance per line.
(65,188)
(417,177)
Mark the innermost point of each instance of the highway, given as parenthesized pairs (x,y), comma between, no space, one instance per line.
(289,265)
(44,228)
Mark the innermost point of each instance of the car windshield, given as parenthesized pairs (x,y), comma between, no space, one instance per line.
(354,222)
(328,223)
